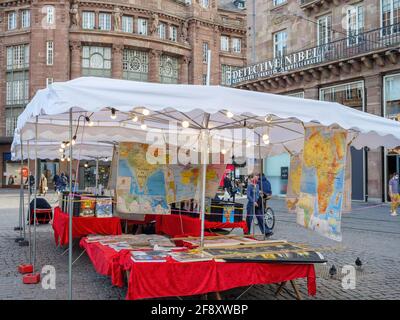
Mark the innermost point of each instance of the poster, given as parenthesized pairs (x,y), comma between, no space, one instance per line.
(181,182)
(347,194)
(140,183)
(294,179)
(322,181)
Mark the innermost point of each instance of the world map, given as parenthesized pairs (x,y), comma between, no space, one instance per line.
(322,181)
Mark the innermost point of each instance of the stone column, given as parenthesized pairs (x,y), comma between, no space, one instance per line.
(373,86)
(117,61)
(76,60)
(154,65)
(184,70)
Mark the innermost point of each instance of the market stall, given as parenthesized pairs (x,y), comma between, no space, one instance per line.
(197,122)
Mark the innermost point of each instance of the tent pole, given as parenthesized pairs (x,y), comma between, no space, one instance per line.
(35,196)
(21,238)
(29,206)
(261,185)
(204,154)
(22,202)
(97,176)
(70,211)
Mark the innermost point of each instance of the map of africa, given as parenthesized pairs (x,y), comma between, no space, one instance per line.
(140,184)
(322,181)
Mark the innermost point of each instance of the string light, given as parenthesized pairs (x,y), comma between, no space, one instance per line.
(73,140)
(223,151)
(135,118)
(113,114)
(229,114)
(61,150)
(86,164)
(143,126)
(265,138)
(145,112)
(62,145)
(185,124)
(68,159)
(62,158)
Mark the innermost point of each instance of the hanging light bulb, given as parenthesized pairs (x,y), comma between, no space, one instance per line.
(62,145)
(223,151)
(248,144)
(62,158)
(135,118)
(67,144)
(185,124)
(90,122)
(229,114)
(268,118)
(145,112)
(86,164)
(61,150)
(73,140)
(265,138)
(113,114)
(143,126)
(68,159)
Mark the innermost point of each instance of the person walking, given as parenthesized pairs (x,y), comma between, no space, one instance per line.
(394,193)
(43,185)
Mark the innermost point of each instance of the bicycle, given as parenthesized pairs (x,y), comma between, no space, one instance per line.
(269,215)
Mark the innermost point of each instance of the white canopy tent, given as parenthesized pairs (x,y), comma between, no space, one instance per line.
(120,110)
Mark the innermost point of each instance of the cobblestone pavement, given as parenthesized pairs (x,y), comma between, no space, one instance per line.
(369,232)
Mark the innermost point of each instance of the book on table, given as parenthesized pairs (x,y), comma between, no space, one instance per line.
(149,256)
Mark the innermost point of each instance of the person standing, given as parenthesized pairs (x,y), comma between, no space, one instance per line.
(11,180)
(253,195)
(43,185)
(56,182)
(394,193)
(31,181)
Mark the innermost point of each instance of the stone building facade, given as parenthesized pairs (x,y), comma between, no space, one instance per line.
(43,41)
(333,50)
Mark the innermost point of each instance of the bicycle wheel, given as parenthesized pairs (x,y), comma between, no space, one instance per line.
(269,218)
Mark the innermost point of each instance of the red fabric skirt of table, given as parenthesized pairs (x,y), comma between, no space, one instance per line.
(82,226)
(175,225)
(171,278)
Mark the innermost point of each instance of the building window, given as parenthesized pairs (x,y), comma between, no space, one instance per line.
(324,30)
(12,20)
(49,81)
(349,94)
(135,65)
(142,26)
(49,53)
(88,18)
(26,19)
(50,15)
(127,24)
(226,72)
(279,2)
(104,21)
(355,24)
(205,52)
(204,79)
(96,61)
(162,30)
(280,43)
(392,96)
(17,84)
(224,43)
(169,69)
(173,33)
(296,94)
(205,3)
(236,45)
(17,57)
(390,10)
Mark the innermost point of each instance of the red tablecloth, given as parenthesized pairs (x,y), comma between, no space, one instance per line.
(154,280)
(175,224)
(82,226)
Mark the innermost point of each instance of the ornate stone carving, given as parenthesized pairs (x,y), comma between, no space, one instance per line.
(75,45)
(154,23)
(184,32)
(117,19)
(74,15)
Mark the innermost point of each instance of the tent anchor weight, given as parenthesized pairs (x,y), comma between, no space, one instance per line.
(19,239)
(31,278)
(25,268)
